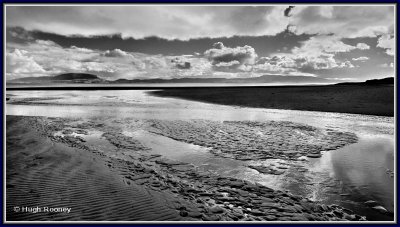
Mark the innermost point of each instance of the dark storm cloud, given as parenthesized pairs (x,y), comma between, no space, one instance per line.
(264,45)
(288,10)
(166,21)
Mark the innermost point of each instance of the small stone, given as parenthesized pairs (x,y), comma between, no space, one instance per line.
(210,217)
(183,213)
(194,214)
(216,209)
(270,218)
(314,155)
(349,217)
(256,212)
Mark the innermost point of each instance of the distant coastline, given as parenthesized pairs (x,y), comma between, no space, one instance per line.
(372,97)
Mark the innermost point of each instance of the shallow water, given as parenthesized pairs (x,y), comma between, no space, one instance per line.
(348,176)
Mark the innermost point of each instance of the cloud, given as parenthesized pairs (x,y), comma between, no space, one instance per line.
(166,21)
(316,53)
(319,62)
(20,64)
(45,58)
(323,44)
(387,65)
(346,64)
(180,63)
(360,58)
(287,11)
(302,40)
(343,21)
(342,79)
(275,64)
(387,42)
(227,58)
(116,53)
(362,46)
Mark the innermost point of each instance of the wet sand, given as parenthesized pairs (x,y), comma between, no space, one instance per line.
(56,162)
(357,99)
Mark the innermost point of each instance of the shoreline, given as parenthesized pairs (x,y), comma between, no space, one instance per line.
(350,99)
(187,193)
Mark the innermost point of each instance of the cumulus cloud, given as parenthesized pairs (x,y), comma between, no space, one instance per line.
(362,46)
(363,58)
(20,64)
(319,62)
(346,64)
(275,64)
(116,53)
(387,42)
(298,63)
(316,53)
(387,65)
(323,44)
(180,63)
(343,21)
(227,58)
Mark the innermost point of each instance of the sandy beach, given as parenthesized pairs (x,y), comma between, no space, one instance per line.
(53,164)
(132,156)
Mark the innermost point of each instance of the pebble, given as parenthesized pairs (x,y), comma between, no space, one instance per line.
(216,209)
(183,213)
(210,217)
(194,214)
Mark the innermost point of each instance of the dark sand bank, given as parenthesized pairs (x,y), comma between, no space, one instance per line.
(56,163)
(356,99)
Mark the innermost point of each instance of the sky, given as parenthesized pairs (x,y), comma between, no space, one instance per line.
(331,42)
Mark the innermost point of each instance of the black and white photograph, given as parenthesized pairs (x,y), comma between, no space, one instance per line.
(199,113)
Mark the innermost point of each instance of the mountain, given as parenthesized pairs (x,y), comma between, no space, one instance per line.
(62,78)
(384,81)
(277,79)
(75,76)
(387,80)
(261,79)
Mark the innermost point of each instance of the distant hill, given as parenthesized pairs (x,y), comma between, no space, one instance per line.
(384,81)
(261,79)
(75,76)
(279,79)
(62,78)
(387,80)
